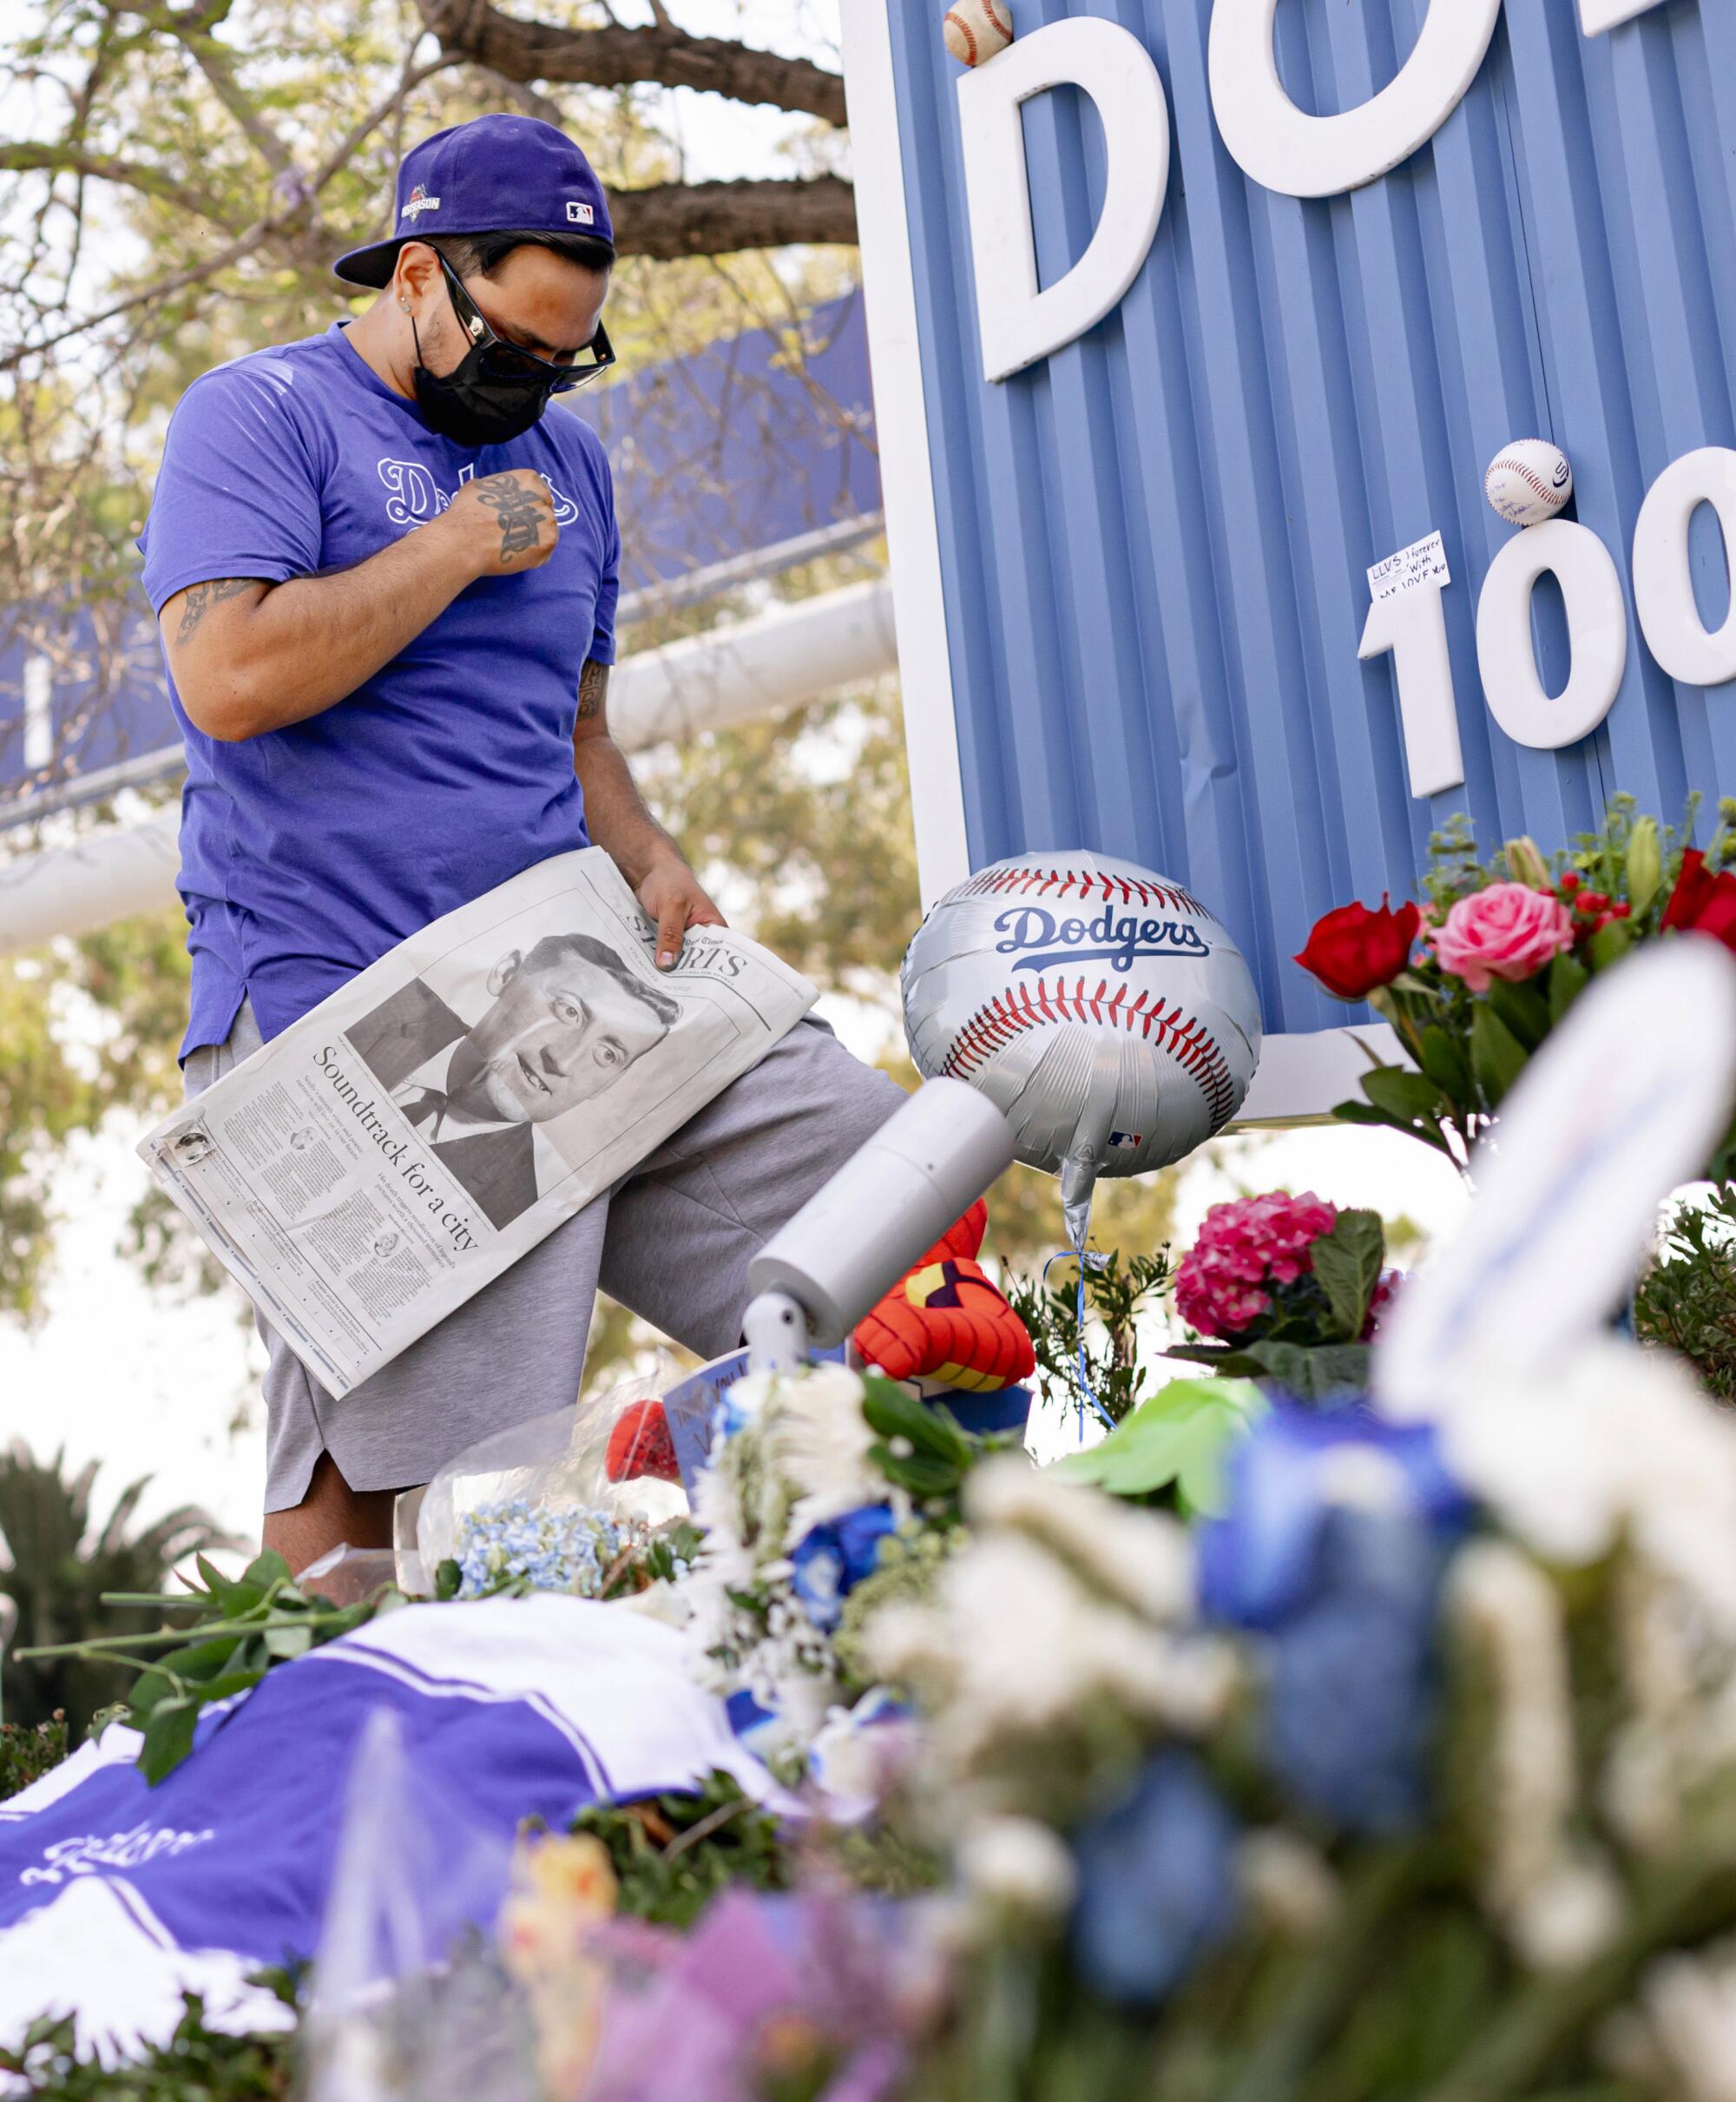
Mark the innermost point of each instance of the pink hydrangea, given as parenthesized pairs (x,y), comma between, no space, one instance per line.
(1243,1248)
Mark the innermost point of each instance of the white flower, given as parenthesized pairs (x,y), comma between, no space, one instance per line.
(818,1439)
(1571,1916)
(1287,1883)
(1691,2001)
(852,1751)
(1617,1440)
(1502,1602)
(1141,1558)
(1017,1865)
(1015,1645)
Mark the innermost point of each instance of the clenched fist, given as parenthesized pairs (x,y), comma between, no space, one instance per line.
(506,523)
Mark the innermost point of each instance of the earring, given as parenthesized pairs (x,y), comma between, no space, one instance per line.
(406,305)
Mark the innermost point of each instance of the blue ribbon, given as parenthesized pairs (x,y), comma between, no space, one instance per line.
(1082,1378)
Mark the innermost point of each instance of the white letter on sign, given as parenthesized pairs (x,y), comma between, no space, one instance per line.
(1596,15)
(1018,323)
(1321,156)
(1597,625)
(1413,626)
(1663,585)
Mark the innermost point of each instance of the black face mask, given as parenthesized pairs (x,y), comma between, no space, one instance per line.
(471,407)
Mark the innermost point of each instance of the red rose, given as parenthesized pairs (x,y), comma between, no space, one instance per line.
(1352,951)
(1703,904)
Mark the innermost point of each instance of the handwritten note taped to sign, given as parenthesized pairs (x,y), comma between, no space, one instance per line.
(1410,569)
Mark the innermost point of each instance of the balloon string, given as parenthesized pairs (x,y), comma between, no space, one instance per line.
(1082,1377)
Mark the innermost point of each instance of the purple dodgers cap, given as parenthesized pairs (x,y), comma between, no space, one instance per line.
(495,174)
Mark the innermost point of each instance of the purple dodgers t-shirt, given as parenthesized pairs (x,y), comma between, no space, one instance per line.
(307,852)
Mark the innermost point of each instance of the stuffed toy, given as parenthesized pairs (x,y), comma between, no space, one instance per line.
(640,1443)
(945,1321)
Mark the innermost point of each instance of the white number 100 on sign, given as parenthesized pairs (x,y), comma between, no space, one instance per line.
(1411,623)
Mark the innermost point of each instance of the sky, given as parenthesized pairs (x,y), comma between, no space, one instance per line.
(117,1372)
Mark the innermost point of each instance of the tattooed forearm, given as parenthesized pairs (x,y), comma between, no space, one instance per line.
(198,602)
(519,509)
(593,690)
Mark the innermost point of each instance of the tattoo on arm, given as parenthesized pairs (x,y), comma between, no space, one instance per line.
(199,598)
(519,509)
(593,690)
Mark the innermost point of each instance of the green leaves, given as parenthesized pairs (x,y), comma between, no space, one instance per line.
(920,1449)
(1177,1437)
(1347,1263)
(1402,1100)
(1497,1059)
(673,1854)
(240,1627)
(1568,979)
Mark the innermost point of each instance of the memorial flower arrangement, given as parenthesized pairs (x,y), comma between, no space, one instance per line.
(1475,975)
(1408,1772)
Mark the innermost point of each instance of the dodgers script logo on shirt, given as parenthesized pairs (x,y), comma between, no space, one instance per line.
(130,1849)
(1118,942)
(413,495)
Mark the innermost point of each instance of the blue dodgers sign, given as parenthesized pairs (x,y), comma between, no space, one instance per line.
(1039,940)
(1188,315)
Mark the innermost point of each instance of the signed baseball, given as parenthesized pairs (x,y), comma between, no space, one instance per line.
(1101,1007)
(976,29)
(1529,483)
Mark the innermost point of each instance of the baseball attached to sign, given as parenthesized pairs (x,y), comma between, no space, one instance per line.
(1529,483)
(976,29)
(1099,1007)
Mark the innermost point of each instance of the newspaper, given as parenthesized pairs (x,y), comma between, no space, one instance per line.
(400,1146)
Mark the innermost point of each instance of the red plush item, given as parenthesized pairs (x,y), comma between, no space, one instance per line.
(640,1443)
(944,1319)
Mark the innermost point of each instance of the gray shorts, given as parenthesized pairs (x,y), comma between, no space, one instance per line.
(672,1240)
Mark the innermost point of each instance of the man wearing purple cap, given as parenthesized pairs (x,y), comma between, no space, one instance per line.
(385,582)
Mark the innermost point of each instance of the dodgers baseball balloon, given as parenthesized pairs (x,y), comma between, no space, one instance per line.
(1099,1007)
(1528,483)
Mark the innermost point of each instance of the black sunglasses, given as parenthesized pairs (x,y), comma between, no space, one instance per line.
(503,360)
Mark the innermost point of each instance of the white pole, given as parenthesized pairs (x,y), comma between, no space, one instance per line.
(782,658)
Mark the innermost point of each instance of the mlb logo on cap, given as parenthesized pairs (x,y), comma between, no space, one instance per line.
(495,174)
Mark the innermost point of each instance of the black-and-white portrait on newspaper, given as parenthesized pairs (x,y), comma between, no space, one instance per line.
(567,1019)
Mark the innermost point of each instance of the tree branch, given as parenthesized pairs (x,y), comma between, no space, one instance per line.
(675,218)
(617,58)
(31,156)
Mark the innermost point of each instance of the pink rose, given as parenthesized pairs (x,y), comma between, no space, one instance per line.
(1508,931)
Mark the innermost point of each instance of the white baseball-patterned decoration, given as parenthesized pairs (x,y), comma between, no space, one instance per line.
(976,29)
(1528,481)
(1099,1007)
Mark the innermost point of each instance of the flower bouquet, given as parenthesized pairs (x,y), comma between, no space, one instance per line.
(1289,1288)
(1475,976)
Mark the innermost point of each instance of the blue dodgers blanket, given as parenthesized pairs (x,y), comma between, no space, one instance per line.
(115,1898)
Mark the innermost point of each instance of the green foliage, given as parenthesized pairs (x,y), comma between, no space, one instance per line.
(1174,1445)
(1116,1294)
(197,2064)
(1687,1300)
(27,1751)
(921,1449)
(238,1629)
(62,1564)
(672,1854)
